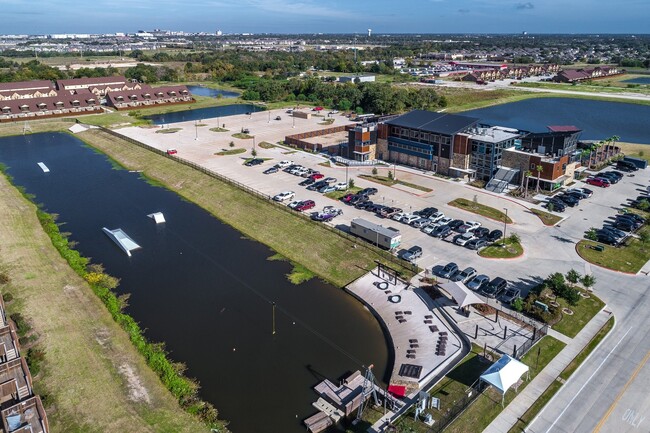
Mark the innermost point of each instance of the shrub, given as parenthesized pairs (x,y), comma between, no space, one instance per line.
(514,238)
(374,171)
(232,144)
(351,183)
(4,278)
(518,304)
(22,326)
(34,358)
(573,276)
(7,297)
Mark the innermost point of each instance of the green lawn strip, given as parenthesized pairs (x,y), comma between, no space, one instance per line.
(480,209)
(629,257)
(553,388)
(498,251)
(390,182)
(266,145)
(547,218)
(242,136)
(583,312)
(168,130)
(337,259)
(218,129)
(338,195)
(231,152)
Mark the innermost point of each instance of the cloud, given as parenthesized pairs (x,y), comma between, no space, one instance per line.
(524,6)
(463,11)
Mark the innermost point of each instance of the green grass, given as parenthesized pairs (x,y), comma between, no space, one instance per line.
(218,129)
(231,152)
(242,136)
(547,218)
(336,260)
(553,388)
(629,257)
(498,251)
(583,312)
(480,209)
(168,130)
(266,145)
(384,180)
(338,195)
(299,274)
(636,150)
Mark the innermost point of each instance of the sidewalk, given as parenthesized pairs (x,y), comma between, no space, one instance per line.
(509,416)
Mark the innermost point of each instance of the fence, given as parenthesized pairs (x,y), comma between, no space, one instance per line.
(459,406)
(350,162)
(383,254)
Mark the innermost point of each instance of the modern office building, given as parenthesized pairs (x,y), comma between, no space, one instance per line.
(559,140)
(487,146)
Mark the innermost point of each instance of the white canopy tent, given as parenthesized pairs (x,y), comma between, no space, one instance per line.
(504,373)
(461,294)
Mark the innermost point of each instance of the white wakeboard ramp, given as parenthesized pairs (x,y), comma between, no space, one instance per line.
(158,217)
(44,167)
(122,240)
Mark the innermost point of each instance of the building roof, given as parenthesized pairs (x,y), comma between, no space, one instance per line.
(563,128)
(504,373)
(384,231)
(35,105)
(461,294)
(429,121)
(147,93)
(27,85)
(88,82)
(493,134)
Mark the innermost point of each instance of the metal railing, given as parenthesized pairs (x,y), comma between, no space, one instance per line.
(382,253)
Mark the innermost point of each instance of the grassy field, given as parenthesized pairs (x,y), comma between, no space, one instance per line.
(636,150)
(383,180)
(92,376)
(553,388)
(231,152)
(608,85)
(583,312)
(336,259)
(629,257)
(480,209)
(547,218)
(498,251)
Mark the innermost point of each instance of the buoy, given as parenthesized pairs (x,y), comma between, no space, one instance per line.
(234,349)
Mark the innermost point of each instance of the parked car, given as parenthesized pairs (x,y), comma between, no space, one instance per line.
(464,275)
(626,166)
(284,164)
(611,177)
(494,235)
(449,270)
(399,215)
(368,191)
(412,254)
(478,282)
(614,231)
(606,238)
(307,172)
(436,216)
(427,212)
(495,287)
(317,185)
(333,210)
(341,186)
(441,231)
(510,295)
(455,224)
(555,205)
(364,204)
(463,238)
(476,244)
(316,176)
(625,225)
(481,232)
(347,197)
(389,212)
(294,203)
(634,216)
(468,227)
(254,161)
(172,151)
(408,219)
(577,192)
(420,222)
(597,182)
(587,191)
(305,205)
(327,188)
(322,217)
(329,180)
(271,170)
(307,182)
(429,228)
(569,200)
(285,195)
(445,221)
(357,198)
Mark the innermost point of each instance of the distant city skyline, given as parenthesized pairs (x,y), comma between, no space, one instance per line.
(333,16)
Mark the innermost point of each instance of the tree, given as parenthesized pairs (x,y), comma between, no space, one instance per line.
(644,204)
(254,153)
(390,175)
(539,169)
(527,175)
(518,304)
(591,234)
(374,171)
(550,206)
(514,238)
(573,276)
(232,144)
(351,184)
(588,281)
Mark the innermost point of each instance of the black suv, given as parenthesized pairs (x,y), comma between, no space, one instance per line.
(254,161)
(495,288)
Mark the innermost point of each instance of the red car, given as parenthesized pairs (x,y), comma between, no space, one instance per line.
(305,205)
(597,182)
(347,197)
(316,176)
(172,151)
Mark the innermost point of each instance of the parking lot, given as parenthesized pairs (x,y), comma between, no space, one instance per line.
(546,249)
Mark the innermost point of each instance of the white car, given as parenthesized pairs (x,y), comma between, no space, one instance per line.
(428,229)
(284,164)
(334,112)
(341,186)
(399,215)
(408,219)
(464,238)
(473,225)
(445,220)
(285,195)
(437,217)
(298,170)
(294,204)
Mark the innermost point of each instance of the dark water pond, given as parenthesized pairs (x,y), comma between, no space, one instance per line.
(202,113)
(214,93)
(597,119)
(201,288)
(638,80)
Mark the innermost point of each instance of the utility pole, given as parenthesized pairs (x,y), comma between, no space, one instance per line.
(505,226)
(273,309)
(196,130)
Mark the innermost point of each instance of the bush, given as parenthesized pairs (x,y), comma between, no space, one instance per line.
(518,304)
(4,278)
(22,326)
(7,297)
(374,171)
(34,358)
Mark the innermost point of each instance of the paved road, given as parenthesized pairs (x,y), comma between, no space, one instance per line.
(609,391)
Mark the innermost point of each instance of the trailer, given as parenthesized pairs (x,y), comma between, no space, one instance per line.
(384,237)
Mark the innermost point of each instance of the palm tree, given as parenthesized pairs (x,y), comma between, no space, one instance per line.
(613,139)
(527,175)
(539,169)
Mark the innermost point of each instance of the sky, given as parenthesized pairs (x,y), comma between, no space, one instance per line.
(326,16)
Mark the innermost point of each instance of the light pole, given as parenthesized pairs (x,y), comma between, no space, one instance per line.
(253,143)
(293,120)
(196,130)
(505,225)
(269,116)
(347,182)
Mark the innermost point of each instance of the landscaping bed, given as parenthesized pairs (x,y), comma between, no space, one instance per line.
(497,250)
(547,218)
(480,209)
(388,181)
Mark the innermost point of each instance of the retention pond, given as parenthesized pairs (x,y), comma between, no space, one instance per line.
(199,286)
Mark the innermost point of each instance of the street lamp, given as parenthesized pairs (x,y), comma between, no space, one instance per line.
(269,116)
(293,120)
(347,183)
(196,129)
(505,225)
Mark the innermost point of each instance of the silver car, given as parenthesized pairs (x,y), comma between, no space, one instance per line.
(478,282)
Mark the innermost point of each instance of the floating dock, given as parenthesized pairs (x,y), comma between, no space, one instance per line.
(122,240)
(158,217)
(44,167)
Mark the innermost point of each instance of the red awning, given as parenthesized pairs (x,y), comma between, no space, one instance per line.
(397,390)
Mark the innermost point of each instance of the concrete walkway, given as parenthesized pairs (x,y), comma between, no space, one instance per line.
(509,416)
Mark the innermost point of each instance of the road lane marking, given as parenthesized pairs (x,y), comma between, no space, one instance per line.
(587,382)
(620,394)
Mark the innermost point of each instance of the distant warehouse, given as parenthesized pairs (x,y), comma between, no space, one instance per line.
(357,79)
